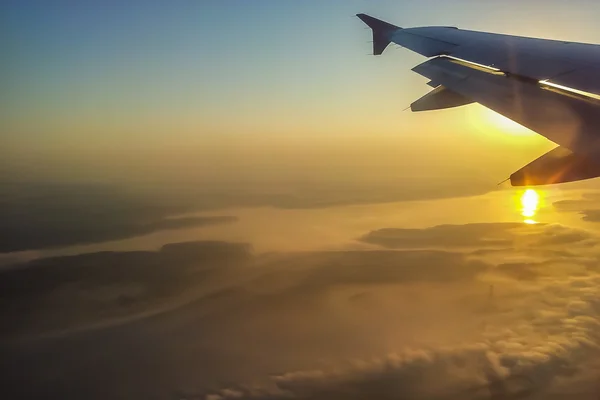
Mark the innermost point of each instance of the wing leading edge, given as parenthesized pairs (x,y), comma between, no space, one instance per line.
(520,78)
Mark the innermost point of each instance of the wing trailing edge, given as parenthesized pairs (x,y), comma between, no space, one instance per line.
(439,99)
(568,120)
(559,165)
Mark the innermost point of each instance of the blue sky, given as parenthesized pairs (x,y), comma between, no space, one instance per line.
(112,72)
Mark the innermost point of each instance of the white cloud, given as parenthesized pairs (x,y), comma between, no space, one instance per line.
(541,339)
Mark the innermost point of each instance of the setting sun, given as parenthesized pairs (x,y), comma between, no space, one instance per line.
(530,201)
(506,125)
(486,120)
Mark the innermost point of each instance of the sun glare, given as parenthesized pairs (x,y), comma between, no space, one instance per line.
(506,125)
(530,201)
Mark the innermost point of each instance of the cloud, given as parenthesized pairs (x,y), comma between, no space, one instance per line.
(542,335)
(562,235)
(501,322)
(469,372)
(483,237)
(587,199)
(47,216)
(586,206)
(98,287)
(379,267)
(524,353)
(521,271)
(591,215)
(51,215)
(470,235)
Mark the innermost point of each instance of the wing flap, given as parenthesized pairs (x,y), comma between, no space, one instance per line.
(438,99)
(560,165)
(441,70)
(568,121)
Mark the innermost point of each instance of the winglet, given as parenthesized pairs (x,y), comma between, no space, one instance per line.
(382,32)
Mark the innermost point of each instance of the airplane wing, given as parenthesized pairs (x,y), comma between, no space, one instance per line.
(547,86)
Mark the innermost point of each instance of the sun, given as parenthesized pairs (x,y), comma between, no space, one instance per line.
(530,202)
(507,125)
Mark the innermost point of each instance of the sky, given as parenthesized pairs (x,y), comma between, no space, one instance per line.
(178,82)
(226,200)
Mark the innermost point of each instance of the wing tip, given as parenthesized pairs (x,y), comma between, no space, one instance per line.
(382,32)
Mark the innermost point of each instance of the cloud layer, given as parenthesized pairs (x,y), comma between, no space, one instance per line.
(505,311)
(535,342)
(38,216)
(586,206)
